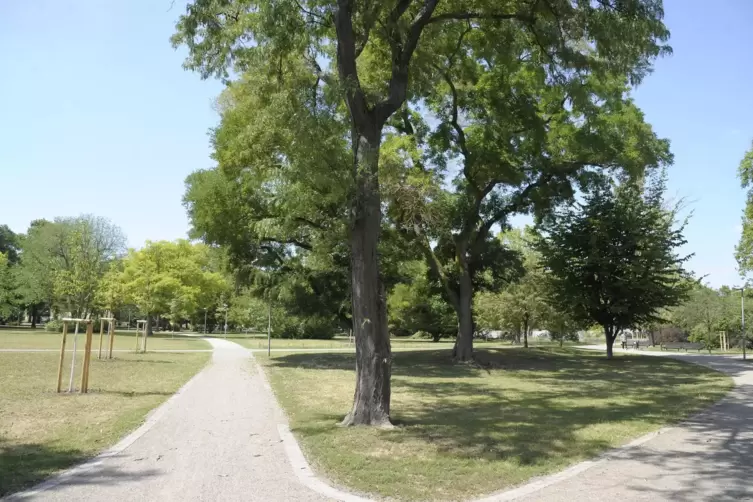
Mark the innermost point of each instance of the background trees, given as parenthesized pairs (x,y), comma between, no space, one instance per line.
(63,262)
(171,279)
(612,259)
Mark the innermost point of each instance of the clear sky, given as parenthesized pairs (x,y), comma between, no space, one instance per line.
(98,116)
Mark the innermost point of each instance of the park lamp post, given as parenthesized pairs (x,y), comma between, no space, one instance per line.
(742,323)
(225,307)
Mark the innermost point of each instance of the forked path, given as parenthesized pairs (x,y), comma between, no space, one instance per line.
(708,457)
(217,440)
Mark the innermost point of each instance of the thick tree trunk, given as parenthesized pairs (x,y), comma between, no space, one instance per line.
(371,402)
(33,316)
(525,333)
(610,334)
(149,325)
(463,350)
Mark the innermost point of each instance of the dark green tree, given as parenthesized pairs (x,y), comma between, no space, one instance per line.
(10,244)
(416,305)
(613,259)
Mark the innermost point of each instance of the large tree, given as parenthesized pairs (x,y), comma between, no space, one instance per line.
(375,56)
(518,130)
(613,258)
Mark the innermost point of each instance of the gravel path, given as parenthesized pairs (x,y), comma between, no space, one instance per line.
(708,457)
(217,440)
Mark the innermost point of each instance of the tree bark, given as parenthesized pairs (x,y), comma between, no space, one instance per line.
(371,402)
(525,332)
(33,316)
(610,334)
(463,350)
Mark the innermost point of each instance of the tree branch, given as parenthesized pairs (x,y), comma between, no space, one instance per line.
(435,265)
(310,223)
(346,62)
(516,204)
(402,52)
(459,16)
(317,18)
(292,242)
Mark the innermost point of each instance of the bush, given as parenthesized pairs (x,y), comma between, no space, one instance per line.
(421,335)
(317,327)
(54,326)
(670,334)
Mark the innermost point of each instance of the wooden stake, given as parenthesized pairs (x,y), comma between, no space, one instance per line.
(62,356)
(112,339)
(87,358)
(101,334)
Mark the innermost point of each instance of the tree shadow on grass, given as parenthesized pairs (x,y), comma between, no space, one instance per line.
(125,393)
(24,465)
(147,361)
(538,413)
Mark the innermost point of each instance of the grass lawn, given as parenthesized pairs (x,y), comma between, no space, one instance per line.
(260,342)
(466,430)
(42,432)
(124,340)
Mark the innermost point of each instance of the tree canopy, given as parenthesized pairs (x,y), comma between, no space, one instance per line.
(613,258)
(374,63)
(165,278)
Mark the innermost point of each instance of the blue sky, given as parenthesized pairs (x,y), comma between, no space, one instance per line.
(98,116)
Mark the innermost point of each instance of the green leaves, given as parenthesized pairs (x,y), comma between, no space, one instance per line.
(612,259)
(64,261)
(166,278)
(744,249)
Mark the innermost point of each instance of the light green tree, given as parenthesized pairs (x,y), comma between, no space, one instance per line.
(166,278)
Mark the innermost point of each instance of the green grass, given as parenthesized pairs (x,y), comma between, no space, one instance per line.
(42,432)
(124,340)
(255,341)
(466,430)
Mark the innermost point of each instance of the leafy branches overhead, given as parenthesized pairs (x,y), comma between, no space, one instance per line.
(744,249)
(613,258)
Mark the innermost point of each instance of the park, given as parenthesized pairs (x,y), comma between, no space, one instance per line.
(425,250)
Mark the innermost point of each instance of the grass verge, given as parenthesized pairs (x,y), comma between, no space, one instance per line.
(260,343)
(124,340)
(42,432)
(465,431)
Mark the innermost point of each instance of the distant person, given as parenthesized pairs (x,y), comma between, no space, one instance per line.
(623,339)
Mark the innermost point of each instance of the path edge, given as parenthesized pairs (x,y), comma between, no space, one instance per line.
(151,419)
(297,460)
(539,483)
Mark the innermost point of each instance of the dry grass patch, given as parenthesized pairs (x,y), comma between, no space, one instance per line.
(470,430)
(42,432)
(124,340)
